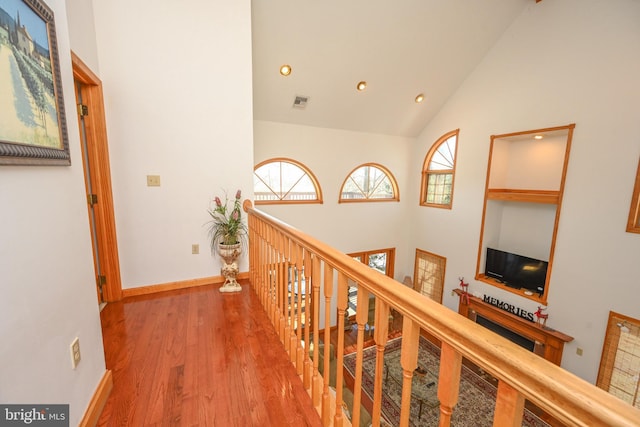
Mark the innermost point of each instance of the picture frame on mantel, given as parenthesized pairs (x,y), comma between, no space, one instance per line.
(33,128)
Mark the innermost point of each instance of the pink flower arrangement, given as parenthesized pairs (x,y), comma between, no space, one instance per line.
(226,226)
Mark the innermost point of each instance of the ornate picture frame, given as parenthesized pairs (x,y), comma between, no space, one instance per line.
(33,128)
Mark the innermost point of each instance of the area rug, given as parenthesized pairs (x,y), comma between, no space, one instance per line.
(476,401)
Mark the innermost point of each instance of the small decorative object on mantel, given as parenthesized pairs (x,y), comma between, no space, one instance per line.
(464,287)
(542,317)
(227,234)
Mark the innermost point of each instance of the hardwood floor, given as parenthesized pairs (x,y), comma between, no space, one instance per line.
(196,357)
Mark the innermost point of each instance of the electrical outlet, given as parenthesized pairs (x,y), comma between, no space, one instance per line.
(195,249)
(153,180)
(75,352)
(579,351)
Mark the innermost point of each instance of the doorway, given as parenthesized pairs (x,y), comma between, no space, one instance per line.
(97,172)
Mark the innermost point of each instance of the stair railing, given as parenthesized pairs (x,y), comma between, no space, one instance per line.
(296,276)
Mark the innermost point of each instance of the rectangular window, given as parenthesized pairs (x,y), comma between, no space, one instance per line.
(439,188)
(428,274)
(381,260)
(620,364)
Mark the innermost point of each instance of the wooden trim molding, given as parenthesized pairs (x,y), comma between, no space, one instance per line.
(531,196)
(97,402)
(633,225)
(182,284)
(98,153)
(549,343)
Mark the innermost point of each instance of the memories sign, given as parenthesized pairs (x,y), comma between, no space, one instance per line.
(508,307)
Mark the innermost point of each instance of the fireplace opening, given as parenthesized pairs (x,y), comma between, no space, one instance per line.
(508,334)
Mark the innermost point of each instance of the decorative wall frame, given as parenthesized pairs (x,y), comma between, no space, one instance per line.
(33,127)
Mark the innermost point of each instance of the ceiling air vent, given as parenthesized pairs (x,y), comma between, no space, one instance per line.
(300,102)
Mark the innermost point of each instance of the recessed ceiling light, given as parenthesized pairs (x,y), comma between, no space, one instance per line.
(538,137)
(361,86)
(285,70)
(420,98)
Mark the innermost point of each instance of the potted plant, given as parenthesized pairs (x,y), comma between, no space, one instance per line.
(227,236)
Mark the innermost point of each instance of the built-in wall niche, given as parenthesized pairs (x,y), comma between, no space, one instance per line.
(523,196)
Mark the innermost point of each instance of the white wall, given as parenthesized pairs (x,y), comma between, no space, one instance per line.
(82,32)
(46,272)
(331,154)
(178,95)
(561,62)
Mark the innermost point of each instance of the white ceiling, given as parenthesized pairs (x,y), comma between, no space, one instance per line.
(400,47)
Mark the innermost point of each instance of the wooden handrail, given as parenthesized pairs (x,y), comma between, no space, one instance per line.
(521,374)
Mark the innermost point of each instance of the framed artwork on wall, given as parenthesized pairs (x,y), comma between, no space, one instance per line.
(33,128)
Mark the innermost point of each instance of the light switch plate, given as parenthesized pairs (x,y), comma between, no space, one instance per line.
(153,180)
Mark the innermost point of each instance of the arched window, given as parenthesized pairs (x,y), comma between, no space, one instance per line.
(369,183)
(283,180)
(438,172)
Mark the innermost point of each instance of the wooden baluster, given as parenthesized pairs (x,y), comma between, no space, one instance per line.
(254,257)
(362,314)
(276,295)
(328,293)
(290,300)
(280,278)
(256,263)
(275,259)
(306,278)
(342,306)
(409,363)
(381,336)
(269,277)
(315,282)
(290,316)
(448,382)
(272,287)
(284,306)
(509,406)
(267,273)
(271,272)
(296,289)
(279,290)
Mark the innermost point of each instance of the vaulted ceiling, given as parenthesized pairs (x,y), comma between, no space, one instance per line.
(400,48)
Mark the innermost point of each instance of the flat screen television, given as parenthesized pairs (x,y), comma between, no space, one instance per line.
(516,271)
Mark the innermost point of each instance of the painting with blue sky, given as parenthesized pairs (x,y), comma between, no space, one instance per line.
(30,113)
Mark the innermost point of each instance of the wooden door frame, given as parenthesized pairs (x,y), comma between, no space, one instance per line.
(98,155)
